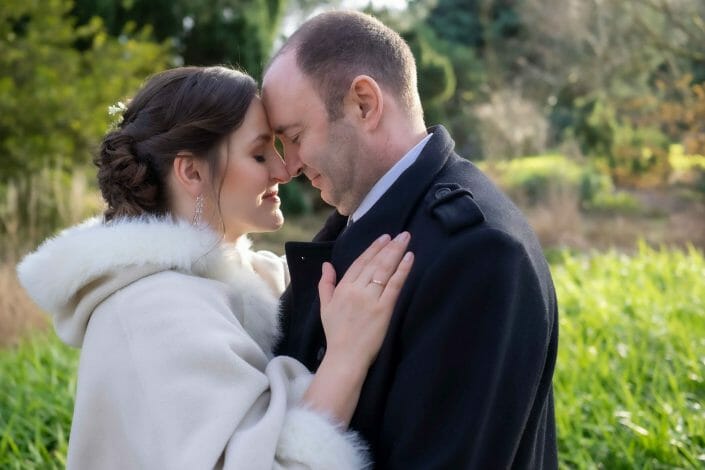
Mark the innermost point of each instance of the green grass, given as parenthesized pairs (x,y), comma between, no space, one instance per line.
(630,381)
(37,381)
(629,384)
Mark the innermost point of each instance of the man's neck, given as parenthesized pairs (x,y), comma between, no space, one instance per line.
(399,141)
(386,177)
(396,149)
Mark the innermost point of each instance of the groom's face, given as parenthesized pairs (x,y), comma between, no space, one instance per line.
(328,153)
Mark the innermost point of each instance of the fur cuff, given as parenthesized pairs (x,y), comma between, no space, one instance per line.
(316,442)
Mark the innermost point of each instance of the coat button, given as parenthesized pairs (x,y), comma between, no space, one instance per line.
(442,192)
(321,352)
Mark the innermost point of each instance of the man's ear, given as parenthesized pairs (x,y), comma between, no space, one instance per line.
(191,173)
(366,99)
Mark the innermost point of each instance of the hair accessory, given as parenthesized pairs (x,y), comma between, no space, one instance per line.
(117,110)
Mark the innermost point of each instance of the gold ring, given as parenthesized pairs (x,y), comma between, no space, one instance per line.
(379,283)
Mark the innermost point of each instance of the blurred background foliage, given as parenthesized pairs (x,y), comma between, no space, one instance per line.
(606,97)
(58,75)
(611,84)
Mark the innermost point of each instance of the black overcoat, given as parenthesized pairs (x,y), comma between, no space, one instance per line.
(463,379)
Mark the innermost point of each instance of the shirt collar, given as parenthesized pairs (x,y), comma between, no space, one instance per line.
(386,181)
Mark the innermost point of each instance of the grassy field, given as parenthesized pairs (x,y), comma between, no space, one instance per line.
(630,386)
(630,383)
(37,387)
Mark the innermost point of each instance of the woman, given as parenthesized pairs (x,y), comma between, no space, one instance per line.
(176,315)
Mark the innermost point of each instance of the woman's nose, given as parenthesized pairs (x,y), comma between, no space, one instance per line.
(280,174)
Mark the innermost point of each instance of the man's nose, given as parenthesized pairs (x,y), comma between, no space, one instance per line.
(293,164)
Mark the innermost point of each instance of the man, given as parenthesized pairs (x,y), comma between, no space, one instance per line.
(463,379)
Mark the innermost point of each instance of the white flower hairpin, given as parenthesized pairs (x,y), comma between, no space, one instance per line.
(117,110)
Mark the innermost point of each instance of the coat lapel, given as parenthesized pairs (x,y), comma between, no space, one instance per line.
(305,260)
(303,332)
(391,213)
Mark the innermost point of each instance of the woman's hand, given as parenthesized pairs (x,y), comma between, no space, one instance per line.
(355,317)
(356,313)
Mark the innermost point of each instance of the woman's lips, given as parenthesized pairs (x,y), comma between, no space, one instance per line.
(272,196)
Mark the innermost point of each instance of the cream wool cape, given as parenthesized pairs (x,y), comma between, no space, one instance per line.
(176,371)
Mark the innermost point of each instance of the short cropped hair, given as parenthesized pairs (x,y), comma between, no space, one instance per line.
(334,47)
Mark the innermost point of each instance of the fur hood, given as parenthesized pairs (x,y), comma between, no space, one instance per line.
(71,274)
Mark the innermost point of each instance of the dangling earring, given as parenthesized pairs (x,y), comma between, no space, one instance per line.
(198,211)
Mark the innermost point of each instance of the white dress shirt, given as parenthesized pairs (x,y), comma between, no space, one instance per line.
(386,181)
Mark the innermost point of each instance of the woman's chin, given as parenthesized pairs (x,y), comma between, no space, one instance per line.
(279,223)
(275,223)
(277,219)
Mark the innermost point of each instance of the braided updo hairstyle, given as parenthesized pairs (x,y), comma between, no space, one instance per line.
(186,109)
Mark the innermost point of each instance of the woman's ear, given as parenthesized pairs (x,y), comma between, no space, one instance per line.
(191,173)
(367,101)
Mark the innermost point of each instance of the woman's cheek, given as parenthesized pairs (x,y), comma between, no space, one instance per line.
(230,199)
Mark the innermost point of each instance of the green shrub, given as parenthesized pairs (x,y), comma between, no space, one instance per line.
(635,153)
(592,185)
(294,199)
(58,80)
(619,201)
(639,156)
(688,170)
(533,179)
(682,162)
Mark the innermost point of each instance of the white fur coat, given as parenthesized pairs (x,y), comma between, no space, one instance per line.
(176,370)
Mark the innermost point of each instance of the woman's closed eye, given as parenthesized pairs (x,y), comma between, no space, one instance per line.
(260,158)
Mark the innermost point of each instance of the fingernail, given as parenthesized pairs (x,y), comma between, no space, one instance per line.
(384,238)
(402,237)
(407,257)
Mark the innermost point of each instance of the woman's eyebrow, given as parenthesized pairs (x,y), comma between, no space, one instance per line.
(266,137)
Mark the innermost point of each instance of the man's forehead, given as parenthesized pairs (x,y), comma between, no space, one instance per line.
(282,69)
(285,92)
(281,114)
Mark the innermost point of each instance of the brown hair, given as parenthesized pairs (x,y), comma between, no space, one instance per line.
(186,109)
(335,47)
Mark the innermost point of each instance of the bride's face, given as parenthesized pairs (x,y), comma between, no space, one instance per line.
(251,171)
